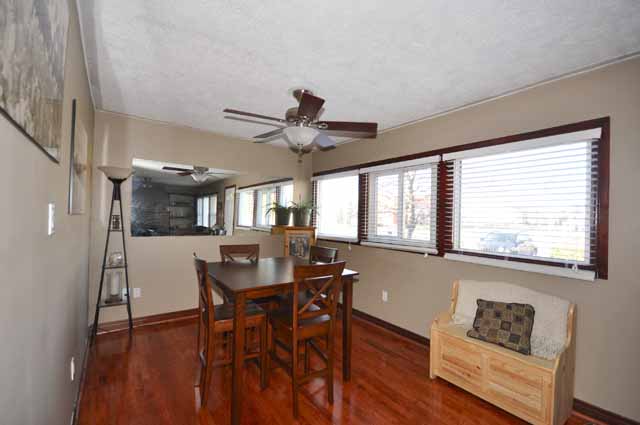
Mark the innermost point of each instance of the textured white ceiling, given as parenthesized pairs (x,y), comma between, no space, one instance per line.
(393,62)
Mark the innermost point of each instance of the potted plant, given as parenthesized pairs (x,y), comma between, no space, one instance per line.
(282,213)
(302,213)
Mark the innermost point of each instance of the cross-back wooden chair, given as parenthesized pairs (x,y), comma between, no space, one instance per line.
(232,253)
(216,323)
(306,323)
(250,253)
(322,254)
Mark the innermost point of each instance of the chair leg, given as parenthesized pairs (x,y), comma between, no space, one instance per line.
(208,372)
(294,376)
(307,357)
(263,354)
(330,357)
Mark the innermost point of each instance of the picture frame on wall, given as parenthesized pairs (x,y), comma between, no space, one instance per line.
(34,43)
(79,168)
(297,242)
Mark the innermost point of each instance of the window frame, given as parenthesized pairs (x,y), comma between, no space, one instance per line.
(315,213)
(399,169)
(255,189)
(444,241)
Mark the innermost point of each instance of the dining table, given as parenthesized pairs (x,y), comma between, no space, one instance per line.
(244,281)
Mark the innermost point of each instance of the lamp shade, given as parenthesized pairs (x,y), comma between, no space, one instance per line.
(116,173)
(301,135)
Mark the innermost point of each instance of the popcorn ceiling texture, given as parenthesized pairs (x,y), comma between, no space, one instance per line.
(392,62)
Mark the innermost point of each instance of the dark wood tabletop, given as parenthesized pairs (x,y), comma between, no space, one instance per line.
(266,273)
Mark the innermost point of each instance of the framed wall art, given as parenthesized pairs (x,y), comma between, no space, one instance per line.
(32,59)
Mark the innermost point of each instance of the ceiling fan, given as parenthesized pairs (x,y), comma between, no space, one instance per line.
(304,130)
(198,174)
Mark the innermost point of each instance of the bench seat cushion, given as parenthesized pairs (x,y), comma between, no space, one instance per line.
(549,333)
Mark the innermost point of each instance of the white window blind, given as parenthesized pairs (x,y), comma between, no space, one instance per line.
(533,200)
(245,208)
(336,199)
(402,205)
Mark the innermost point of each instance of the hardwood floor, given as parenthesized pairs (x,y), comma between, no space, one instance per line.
(149,379)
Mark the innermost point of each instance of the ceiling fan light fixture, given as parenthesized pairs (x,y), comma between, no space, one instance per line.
(301,136)
(200,177)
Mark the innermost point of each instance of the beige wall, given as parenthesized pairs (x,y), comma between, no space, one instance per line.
(608,366)
(43,280)
(162,266)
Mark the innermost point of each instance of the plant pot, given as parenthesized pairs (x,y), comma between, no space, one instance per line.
(282,218)
(302,218)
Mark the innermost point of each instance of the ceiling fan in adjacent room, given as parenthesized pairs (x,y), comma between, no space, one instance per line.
(198,174)
(304,130)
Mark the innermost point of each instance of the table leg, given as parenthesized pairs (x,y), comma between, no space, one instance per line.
(347,305)
(238,358)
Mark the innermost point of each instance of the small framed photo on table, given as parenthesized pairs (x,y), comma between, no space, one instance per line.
(297,241)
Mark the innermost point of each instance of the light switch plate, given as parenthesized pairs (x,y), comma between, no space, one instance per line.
(51,211)
(137,292)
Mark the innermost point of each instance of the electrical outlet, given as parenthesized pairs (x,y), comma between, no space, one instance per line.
(72,369)
(137,292)
(51,220)
(385,296)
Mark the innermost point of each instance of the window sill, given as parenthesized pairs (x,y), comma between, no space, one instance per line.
(336,239)
(587,275)
(261,229)
(407,248)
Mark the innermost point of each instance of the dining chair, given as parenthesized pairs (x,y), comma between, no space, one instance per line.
(250,253)
(322,254)
(216,322)
(307,324)
(233,253)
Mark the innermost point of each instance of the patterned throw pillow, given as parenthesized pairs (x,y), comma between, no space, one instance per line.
(506,324)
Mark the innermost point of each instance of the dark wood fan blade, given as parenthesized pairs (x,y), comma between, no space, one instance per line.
(252,121)
(310,105)
(185,173)
(269,134)
(251,114)
(363,130)
(328,148)
(324,141)
(175,169)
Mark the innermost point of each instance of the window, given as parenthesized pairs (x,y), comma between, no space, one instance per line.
(254,202)
(533,200)
(245,208)
(286,194)
(206,208)
(265,199)
(401,203)
(336,199)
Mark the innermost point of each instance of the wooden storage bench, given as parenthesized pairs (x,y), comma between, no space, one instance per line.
(538,390)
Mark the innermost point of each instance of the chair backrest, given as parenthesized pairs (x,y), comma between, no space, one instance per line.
(228,253)
(322,254)
(205,288)
(322,283)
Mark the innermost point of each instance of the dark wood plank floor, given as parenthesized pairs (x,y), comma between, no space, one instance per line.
(149,379)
